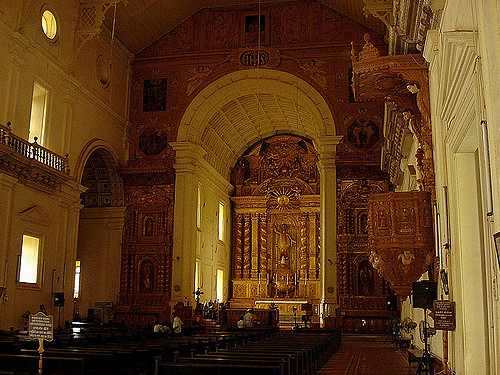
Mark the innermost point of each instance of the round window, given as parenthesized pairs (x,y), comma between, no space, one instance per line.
(49,25)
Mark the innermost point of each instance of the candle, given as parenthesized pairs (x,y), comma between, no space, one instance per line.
(287,279)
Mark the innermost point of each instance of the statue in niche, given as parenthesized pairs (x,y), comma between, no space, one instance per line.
(154,95)
(284,242)
(363,223)
(146,277)
(381,219)
(365,278)
(148,227)
(253,27)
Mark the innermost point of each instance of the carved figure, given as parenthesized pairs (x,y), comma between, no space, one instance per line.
(196,79)
(406,257)
(146,277)
(369,51)
(148,227)
(316,73)
(375,260)
(365,278)
(284,242)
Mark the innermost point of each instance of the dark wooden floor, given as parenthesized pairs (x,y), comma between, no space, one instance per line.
(367,358)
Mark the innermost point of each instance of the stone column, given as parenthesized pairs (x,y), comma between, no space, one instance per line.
(187,157)
(67,234)
(328,208)
(7,271)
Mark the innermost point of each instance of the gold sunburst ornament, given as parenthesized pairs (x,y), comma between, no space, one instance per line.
(283,198)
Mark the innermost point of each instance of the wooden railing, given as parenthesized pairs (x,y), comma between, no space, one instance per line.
(33,150)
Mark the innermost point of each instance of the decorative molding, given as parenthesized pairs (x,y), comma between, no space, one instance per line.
(91,14)
(381,9)
(34,215)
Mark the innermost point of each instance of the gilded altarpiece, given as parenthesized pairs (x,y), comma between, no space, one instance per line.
(362,292)
(276,252)
(146,251)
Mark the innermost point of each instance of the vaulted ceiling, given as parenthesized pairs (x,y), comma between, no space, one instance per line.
(140,22)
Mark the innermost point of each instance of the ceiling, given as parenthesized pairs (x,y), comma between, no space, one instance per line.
(141,22)
(240,122)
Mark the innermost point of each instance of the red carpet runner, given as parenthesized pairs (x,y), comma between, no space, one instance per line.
(367,358)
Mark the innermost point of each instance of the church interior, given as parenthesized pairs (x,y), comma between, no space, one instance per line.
(329,167)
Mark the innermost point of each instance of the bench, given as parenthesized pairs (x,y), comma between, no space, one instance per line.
(28,364)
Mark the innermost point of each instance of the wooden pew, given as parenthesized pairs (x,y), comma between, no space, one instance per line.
(28,364)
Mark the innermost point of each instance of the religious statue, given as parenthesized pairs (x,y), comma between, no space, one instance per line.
(284,242)
(146,277)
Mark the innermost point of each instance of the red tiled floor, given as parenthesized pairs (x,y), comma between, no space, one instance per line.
(367,358)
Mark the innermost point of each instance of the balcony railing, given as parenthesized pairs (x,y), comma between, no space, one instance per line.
(33,150)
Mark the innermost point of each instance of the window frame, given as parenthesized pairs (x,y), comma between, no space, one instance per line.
(42,138)
(50,8)
(221,221)
(40,261)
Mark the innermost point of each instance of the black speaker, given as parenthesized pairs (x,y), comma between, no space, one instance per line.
(392,303)
(58,299)
(424,294)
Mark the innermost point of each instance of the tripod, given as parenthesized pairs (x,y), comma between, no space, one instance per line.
(425,365)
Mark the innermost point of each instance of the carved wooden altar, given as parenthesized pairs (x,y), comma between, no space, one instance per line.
(276,222)
(362,292)
(146,249)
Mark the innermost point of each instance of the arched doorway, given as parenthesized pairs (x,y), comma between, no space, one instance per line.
(97,278)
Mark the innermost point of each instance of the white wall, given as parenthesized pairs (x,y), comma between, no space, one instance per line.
(80,110)
(463,78)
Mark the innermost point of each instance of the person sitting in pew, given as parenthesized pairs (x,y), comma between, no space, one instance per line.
(240,323)
(249,318)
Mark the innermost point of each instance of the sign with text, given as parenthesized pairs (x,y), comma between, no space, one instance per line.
(444,315)
(41,326)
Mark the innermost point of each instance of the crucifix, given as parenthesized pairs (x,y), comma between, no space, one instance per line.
(198,294)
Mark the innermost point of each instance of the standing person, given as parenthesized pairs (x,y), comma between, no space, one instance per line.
(176,323)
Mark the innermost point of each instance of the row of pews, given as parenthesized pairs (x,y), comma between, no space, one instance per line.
(107,352)
(110,351)
(285,353)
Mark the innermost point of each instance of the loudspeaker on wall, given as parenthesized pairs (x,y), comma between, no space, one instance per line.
(392,303)
(58,299)
(424,294)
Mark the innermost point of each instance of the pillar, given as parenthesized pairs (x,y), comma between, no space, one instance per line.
(187,156)
(328,208)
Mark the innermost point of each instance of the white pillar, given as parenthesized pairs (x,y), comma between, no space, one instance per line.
(187,159)
(7,187)
(328,206)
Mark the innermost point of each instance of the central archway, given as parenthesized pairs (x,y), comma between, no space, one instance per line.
(246,106)
(220,124)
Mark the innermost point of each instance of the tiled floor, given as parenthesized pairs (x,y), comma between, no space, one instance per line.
(367,358)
